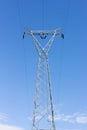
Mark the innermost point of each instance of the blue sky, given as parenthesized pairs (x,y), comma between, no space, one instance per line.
(18,62)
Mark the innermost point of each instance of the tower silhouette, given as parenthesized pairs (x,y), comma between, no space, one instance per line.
(43,115)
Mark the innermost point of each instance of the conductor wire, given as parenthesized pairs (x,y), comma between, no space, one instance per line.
(21,27)
(43,13)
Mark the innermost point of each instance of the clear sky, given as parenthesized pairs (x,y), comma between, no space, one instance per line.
(18,62)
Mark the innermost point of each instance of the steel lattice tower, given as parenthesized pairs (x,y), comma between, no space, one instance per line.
(43,115)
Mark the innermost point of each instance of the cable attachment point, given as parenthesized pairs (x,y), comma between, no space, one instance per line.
(23,35)
(62,35)
(43,35)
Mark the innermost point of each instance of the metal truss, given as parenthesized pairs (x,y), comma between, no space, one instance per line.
(43,115)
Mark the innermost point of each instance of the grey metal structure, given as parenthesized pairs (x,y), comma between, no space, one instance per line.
(43,115)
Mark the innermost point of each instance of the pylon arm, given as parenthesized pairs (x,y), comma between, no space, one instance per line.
(44,34)
(39,32)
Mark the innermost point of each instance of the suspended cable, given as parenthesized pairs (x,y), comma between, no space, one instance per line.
(67,16)
(21,26)
(43,13)
(19,15)
(61,55)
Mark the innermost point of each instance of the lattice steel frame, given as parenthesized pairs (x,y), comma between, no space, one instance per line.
(43,115)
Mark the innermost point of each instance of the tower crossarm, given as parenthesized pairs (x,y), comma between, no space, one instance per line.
(45,33)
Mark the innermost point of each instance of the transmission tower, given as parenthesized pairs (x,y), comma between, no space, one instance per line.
(43,115)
